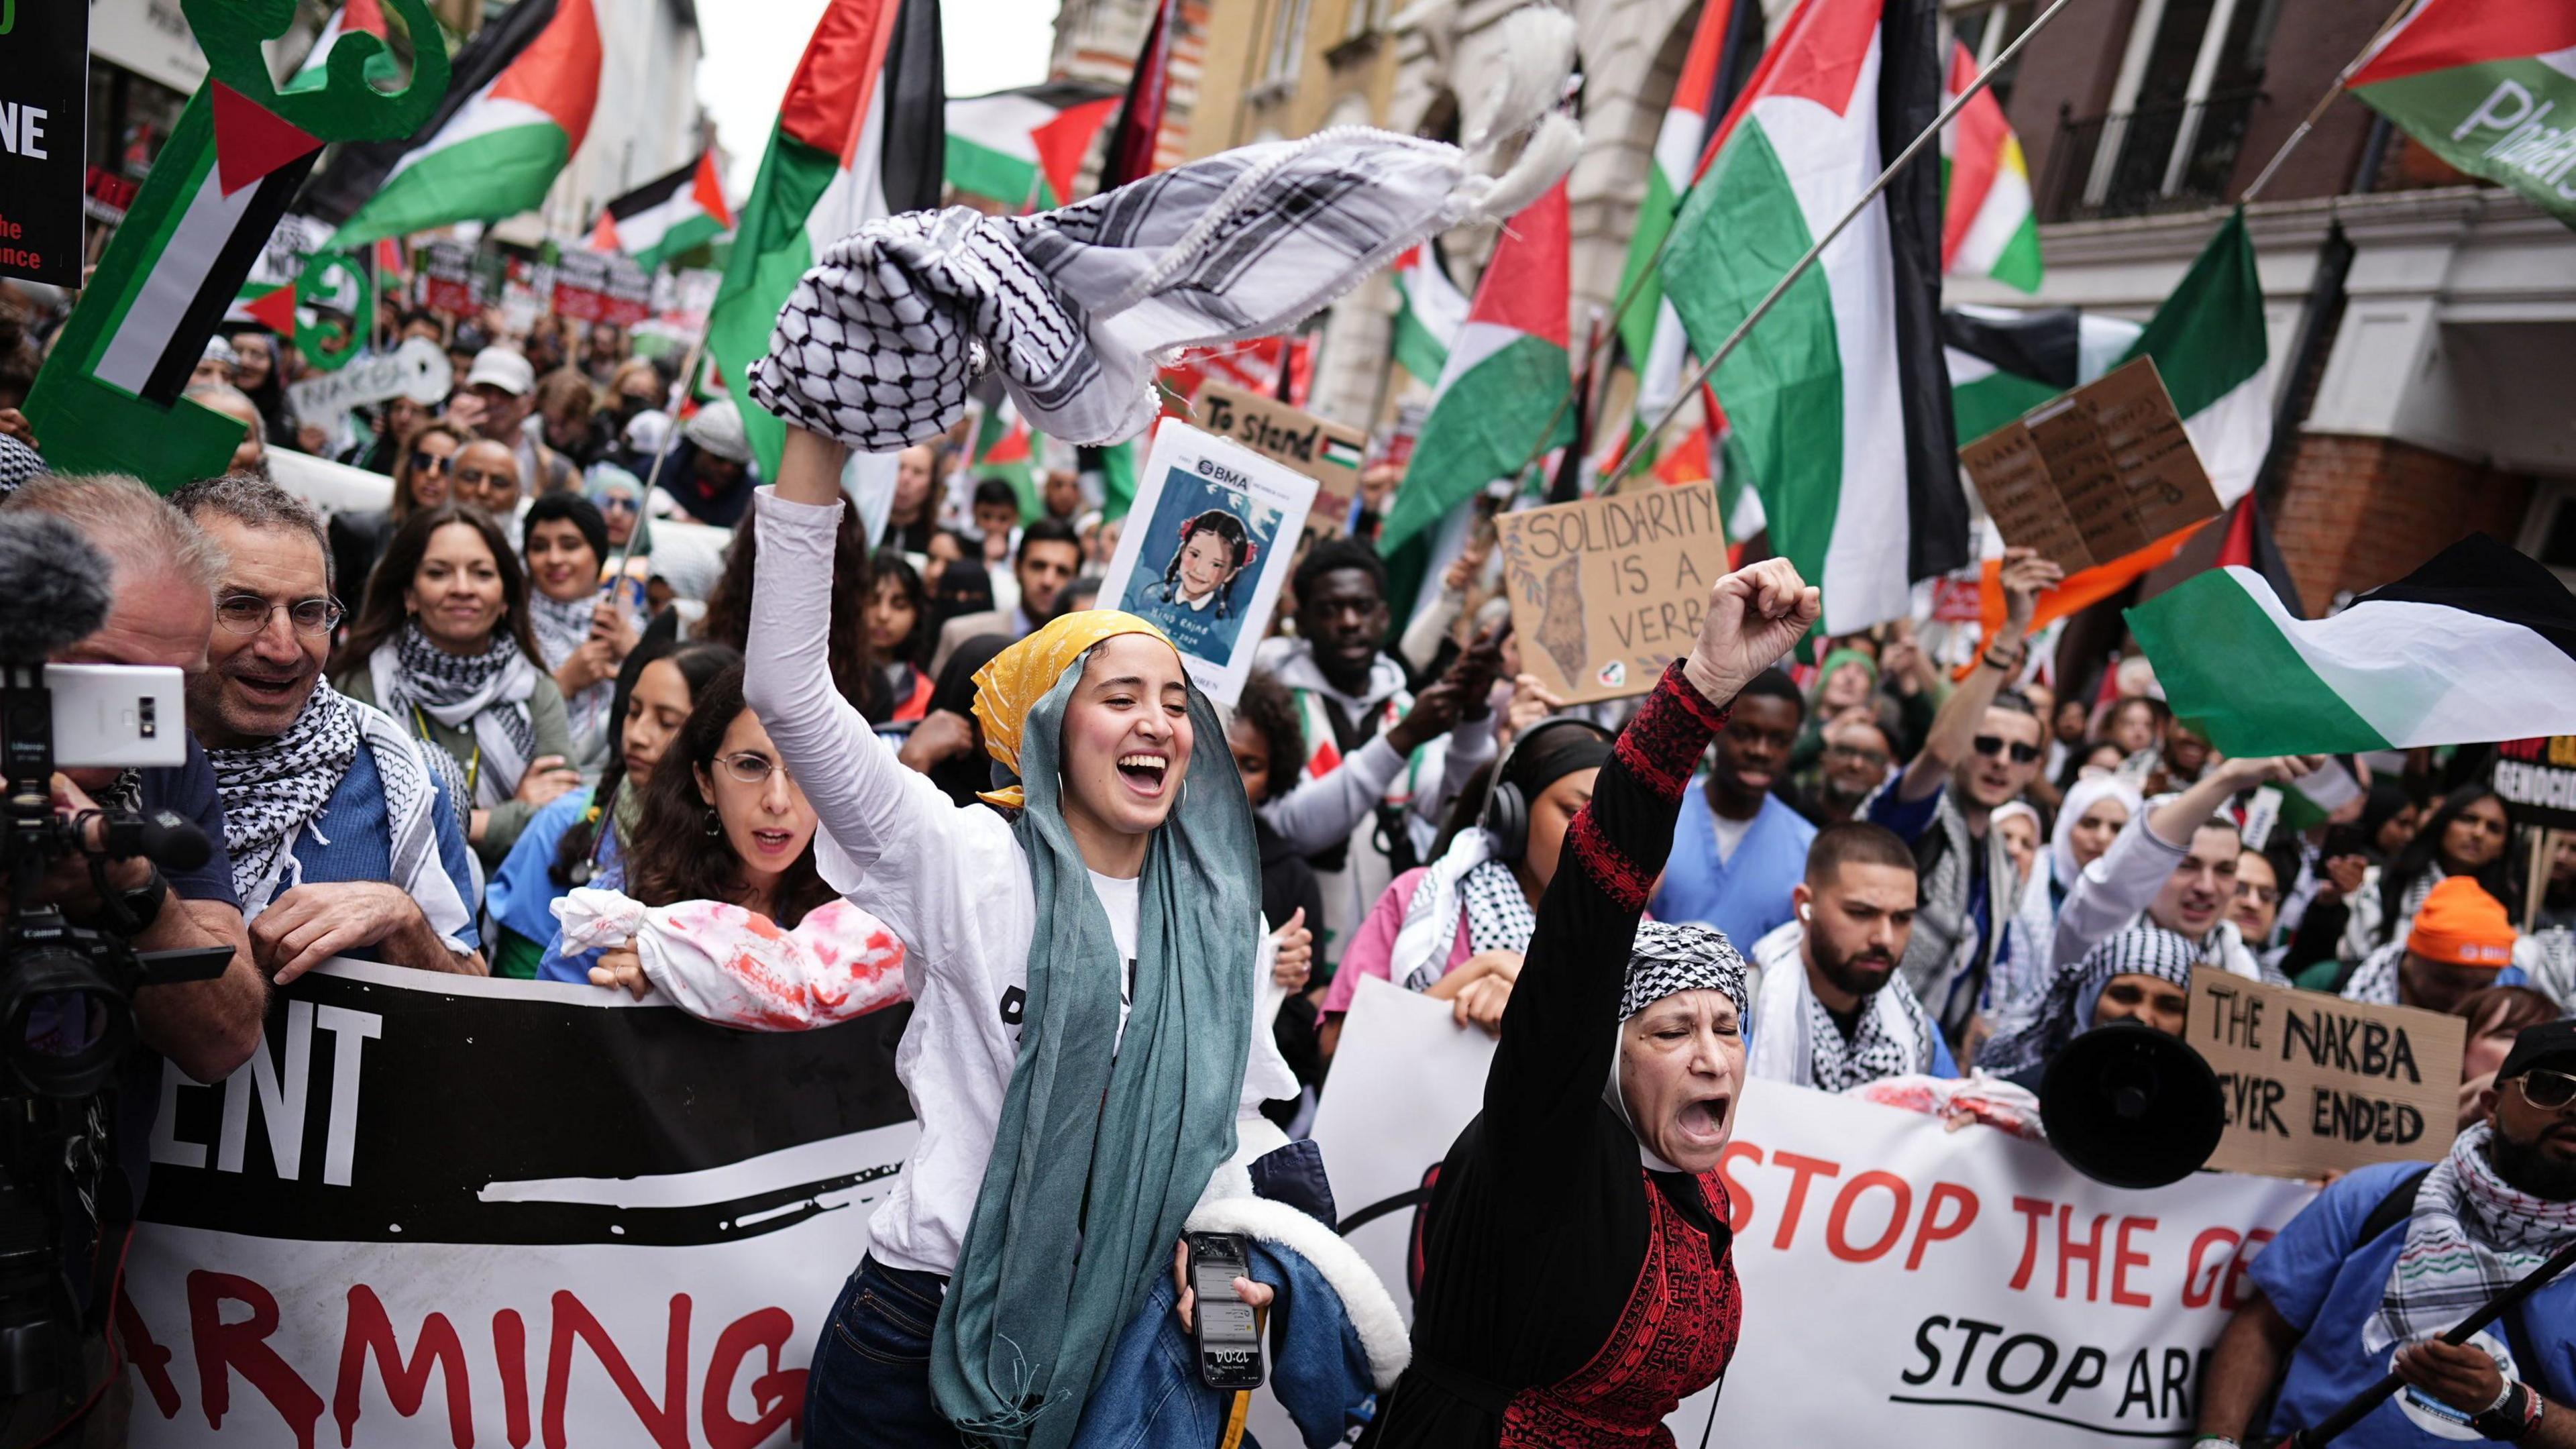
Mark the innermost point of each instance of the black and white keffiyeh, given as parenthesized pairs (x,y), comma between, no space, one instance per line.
(1466,880)
(486,692)
(1076,308)
(1669,958)
(1796,1040)
(2067,1009)
(1498,911)
(274,793)
(18,464)
(562,626)
(2471,1234)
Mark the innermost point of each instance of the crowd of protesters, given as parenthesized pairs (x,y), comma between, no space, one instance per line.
(474,731)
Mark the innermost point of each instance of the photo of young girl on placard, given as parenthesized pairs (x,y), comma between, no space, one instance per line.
(1210,564)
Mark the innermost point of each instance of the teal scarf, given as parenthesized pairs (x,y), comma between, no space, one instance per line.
(1097,1161)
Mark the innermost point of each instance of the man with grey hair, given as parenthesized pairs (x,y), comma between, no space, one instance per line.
(162,584)
(343,840)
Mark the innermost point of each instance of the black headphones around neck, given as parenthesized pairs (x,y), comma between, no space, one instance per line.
(1506,812)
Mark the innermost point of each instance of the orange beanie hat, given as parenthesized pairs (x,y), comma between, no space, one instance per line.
(2462,924)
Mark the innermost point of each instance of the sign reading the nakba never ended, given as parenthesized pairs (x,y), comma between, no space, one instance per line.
(44,96)
(2317,1084)
(1608,591)
(2536,779)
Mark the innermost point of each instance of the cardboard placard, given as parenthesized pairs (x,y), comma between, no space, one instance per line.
(2537,780)
(1324,451)
(2096,474)
(1607,592)
(1206,548)
(44,128)
(2314,1083)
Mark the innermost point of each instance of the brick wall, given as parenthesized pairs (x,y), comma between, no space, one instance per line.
(2358,512)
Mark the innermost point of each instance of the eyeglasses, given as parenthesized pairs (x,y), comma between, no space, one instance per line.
(752,769)
(425,462)
(617,503)
(1855,752)
(248,614)
(1992,747)
(2546,1089)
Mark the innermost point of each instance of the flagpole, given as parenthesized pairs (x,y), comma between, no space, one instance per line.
(1779,289)
(2317,112)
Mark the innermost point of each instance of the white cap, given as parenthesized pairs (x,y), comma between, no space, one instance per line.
(505,369)
(717,428)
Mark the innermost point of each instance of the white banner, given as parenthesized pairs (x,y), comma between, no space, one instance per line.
(1903,1283)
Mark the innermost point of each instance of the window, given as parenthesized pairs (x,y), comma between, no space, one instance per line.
(1362,18)
(1287,40)
(2187,86)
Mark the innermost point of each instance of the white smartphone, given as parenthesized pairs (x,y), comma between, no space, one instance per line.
(118,716)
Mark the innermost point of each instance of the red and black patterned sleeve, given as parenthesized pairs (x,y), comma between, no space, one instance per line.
(1559,1033)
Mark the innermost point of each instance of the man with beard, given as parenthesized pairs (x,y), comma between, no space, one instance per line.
(342,841)
(1735,863)
(1855,762)
(2393,1254)
(1831,1012)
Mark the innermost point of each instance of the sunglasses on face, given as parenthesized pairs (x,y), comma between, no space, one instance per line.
(2546,1089)
(429,462)
(1993,747)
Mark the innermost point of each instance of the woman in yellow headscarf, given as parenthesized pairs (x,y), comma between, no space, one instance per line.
(1086,966)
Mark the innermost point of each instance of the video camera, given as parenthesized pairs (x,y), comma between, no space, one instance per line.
(67,987)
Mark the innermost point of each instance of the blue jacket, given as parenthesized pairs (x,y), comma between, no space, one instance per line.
(1335,1340)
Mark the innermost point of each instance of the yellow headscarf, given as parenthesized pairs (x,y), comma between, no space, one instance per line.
(1009,686)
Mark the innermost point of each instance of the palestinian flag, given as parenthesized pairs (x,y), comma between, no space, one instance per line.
(1023,148)
(1836,402)
(1429,311)
(1505,396)
(668,217)
(1987,226)
(859,136)
(517,110)
(2487,85)
(1139,132)
(2477,646)
(1723,49)
(1005,448)
(2208,342)
(2003,362)
(1111,473)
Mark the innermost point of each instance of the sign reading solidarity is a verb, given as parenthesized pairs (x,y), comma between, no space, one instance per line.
(2317,1084)
(1608,591)
(1324,451)
(2101,472)
(44,94)
(2537,780)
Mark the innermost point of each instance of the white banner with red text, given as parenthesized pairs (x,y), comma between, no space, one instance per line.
(1903,1283)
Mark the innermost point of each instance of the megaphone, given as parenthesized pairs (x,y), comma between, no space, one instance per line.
(2131,1106)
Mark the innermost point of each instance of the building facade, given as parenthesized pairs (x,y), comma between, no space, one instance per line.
(2414,317)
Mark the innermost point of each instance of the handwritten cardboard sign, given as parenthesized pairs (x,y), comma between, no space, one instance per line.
(2098,473)
(1607,592)
(2537,780)
(2315,1083)
(1324,451)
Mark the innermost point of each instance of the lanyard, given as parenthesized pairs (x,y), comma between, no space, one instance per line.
(473,762)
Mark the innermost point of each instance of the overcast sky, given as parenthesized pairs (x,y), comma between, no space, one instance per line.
(752,47)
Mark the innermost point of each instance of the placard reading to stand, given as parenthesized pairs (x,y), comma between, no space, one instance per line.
(1206,550)
(1607,592)
(1324,451)
(2098,473)
(2315,1084)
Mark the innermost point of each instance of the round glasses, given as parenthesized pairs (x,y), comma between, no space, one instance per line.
(248,614)
(752,769)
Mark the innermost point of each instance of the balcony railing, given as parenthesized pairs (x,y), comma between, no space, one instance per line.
(2156,158)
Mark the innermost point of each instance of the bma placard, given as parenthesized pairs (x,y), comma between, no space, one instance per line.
(44,118)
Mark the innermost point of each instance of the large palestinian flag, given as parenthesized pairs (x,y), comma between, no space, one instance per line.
(517,110)
(2209,344)
(1504,397)
(1987,226)
(859,136)
(2477,646)
(1836,401)
(1723,48)
(1024,147)
(1429,311)
(2487,85)
(667,216)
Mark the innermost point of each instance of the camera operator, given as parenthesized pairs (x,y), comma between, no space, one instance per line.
(164,573)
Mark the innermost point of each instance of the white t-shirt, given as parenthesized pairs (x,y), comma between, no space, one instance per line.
(1730,834)
(954,886)
(1120,899)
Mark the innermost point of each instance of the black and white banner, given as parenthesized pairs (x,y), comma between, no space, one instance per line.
(436,1210)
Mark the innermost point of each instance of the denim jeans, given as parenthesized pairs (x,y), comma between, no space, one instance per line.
(870,1384)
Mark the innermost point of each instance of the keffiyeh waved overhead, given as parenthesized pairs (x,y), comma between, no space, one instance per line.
(1076,308)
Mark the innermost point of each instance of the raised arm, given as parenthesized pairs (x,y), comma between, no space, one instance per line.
(2126,877)
(1560,1032)
(2025,575)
